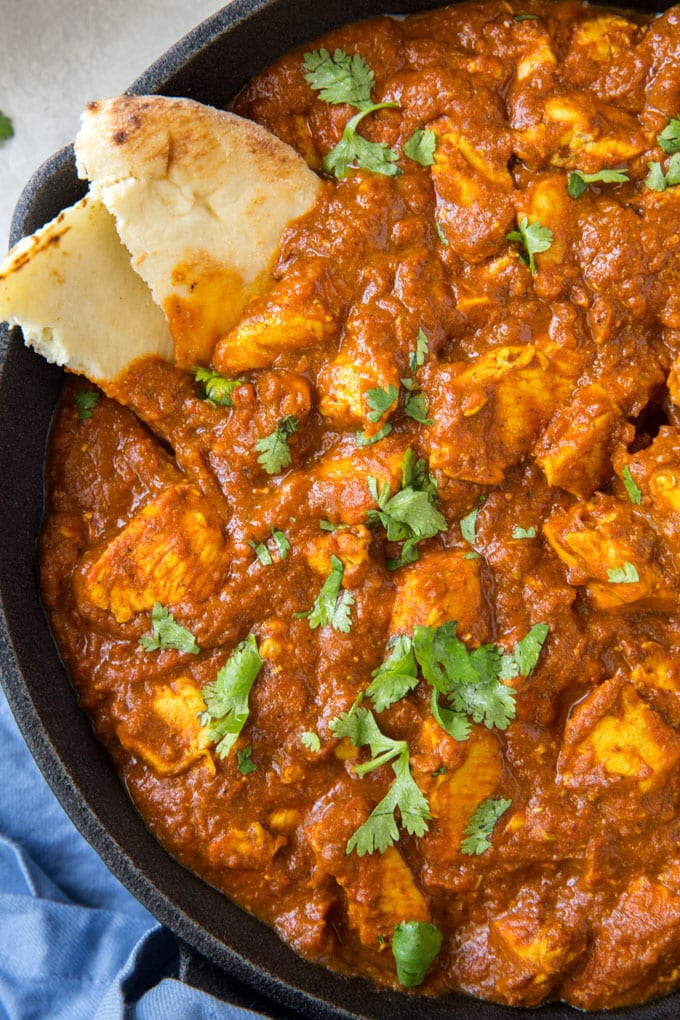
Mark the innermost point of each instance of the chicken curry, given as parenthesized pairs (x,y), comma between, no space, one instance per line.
(377,609)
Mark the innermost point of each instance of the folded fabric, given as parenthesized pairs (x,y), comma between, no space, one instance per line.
(74,943)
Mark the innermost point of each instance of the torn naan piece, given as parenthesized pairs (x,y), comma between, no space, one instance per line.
(71,288)
(201,199)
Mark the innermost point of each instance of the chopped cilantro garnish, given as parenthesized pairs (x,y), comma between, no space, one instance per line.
(480,827)
(380,829)
(634,493)
(281,541)
(226,697)
(627,574)
(396,676)
(416,407)
(339,78)
(524,656)
(659,179)
(86,401)
(6,127)
(410,514)
(380,401)
(440,234)
(332,606)
(215,388)
(274,450)
(533,237)
(415,944)
(166,633)
(355,150)
(311,741)
(669,139)
(518,532)
(579,181)
(525,17)
(416,359)
(262,553)
(244,761)
(362,439)
(468,526)
(420,147)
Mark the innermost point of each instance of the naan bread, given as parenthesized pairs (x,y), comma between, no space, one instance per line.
(201,199)
(71,288)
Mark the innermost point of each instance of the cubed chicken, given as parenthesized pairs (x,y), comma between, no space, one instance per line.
(166,733)
(629,954)
(533,945)
(441,586)
(250,849)
(380,888)
(349,544)
(655,471)
(488,415)
(613,736)
(296,314)
(173,550)
(614,553)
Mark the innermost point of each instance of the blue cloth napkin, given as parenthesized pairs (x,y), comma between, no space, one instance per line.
(74,944)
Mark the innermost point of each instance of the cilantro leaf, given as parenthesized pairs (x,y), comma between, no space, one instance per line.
(281,541)
(634,493)
(215,388)
(658,180)
(416,359)
(468,526)
(415,944)
(362,439)
(262,553)
(456,724)
(409,515)
(6,127)
(355,150)
(420,147)
(85,401)
(244,762)
(481,825)
(669,139)
(527,650)
(311,741)
(166,633)
(579,181)
(443,239)
(416,407)
(396,676)
(226,697)
(380,401)
(533,237)
(339,78)
(332,605)
(627,574)
(274,450)
(489,702)
(525,17)
(518,532)
(380,829)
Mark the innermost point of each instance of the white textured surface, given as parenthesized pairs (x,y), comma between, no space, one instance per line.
(56,55)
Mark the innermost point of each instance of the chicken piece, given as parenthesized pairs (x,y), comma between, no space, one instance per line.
(166,734)
(344,383)
(488,415)
(172,550)
(656,472)
(473,190)
(297,313)
(441,586)
(249,849)
(614,553)
(533,946)
(614,736)
(630,953)
(575,451)
(454,796)
(337,483)
(380,888)
(350,545)
(653,667)
(580,131)
(595,43)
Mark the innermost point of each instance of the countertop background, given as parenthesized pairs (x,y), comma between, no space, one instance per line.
(56,55)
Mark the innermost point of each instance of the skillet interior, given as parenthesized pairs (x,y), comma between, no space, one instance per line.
(210,64)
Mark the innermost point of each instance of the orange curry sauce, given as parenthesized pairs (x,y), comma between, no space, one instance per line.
(549,421)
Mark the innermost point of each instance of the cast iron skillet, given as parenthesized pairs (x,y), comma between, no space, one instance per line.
(224,950)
